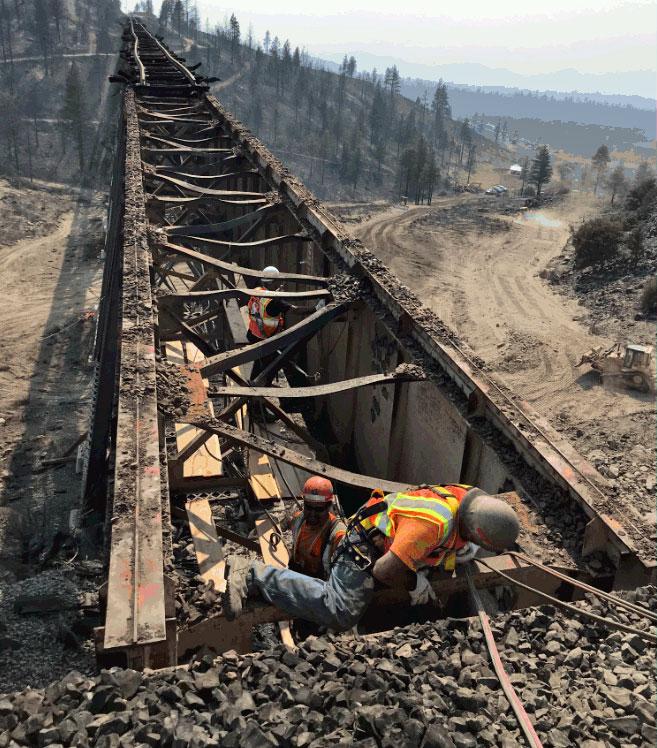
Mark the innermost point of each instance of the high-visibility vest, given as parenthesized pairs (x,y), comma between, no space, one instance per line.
(436,504)
(317,562)
(261,324)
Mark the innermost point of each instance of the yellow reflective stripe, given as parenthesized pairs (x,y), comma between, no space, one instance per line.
(267,318)
(438,508)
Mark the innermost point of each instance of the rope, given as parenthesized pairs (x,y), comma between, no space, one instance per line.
(519,710)
(572,608)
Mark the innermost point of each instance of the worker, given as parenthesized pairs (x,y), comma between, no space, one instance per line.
(266,319)
(316,531)
(392,541)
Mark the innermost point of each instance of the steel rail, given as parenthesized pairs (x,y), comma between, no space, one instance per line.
(291,457)
(239,270)
(190,76)
(320,390)
(298,237)
(608,622)
(509,691)
(224,294)
(311,324)
(618,601)
(135,51)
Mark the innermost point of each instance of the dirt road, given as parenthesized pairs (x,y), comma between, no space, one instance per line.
(479,272)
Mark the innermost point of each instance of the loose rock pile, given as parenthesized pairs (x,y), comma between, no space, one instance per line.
(425,685)
(36,647)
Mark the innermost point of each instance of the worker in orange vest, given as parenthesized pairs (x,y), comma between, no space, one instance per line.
(316,531)
(392,541)
(266,319)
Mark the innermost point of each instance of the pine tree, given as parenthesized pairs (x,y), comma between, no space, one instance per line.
(42,32)
(57,13)
(165,13)
(177,17)
(524,175)
(465,135)
(33,106)
(600,162)
(73,110)
(472,161)
(286,62)
(234,37)
(541,170)
(441,114)
(616,183)
(644,171)
(266,42)
(10,127)
(377,116)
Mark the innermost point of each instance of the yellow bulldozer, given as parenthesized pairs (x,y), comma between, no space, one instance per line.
(628,365)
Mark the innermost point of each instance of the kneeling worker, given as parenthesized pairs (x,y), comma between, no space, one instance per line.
(316,531)
(392,541)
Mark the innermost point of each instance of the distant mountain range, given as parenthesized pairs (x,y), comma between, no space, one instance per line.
(626,87)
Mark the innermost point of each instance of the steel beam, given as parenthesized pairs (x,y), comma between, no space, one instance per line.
(135,593)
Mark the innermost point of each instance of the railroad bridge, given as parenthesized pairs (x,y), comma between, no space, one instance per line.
(376,391)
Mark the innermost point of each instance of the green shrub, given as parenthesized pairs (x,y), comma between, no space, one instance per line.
(642,197)
(649,297)
(596,241)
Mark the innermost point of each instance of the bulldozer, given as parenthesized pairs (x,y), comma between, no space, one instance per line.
(630,365)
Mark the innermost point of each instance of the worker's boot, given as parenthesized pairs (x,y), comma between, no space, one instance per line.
(238,575)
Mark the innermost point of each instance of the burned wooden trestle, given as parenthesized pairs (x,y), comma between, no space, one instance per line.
(198,208)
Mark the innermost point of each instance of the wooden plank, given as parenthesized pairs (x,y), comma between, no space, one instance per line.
(209,552)
(288,476)
(206,461)
(173,350)
(274,554)
(261,478)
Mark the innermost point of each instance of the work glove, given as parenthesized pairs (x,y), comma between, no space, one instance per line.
(423,590)
(467,553)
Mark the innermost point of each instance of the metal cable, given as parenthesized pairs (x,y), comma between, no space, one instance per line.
(618,601)
(512,697)
(572,608)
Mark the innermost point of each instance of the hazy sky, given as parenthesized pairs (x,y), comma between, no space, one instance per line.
(593,36)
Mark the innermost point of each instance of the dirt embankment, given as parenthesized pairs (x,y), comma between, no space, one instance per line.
(50,282)
(480,269)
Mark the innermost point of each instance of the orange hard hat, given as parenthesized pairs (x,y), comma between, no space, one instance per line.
(318,490)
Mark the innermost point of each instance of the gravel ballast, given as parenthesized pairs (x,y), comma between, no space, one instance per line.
(425,685)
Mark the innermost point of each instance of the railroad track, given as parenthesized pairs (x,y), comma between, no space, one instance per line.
(178,451)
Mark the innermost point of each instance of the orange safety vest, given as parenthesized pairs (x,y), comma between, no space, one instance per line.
(261,324)
(313,556)
(436,504)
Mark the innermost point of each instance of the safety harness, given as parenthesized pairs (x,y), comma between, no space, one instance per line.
(320,547)
(379,517)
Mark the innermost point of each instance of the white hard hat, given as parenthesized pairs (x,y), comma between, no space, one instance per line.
(270,271)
